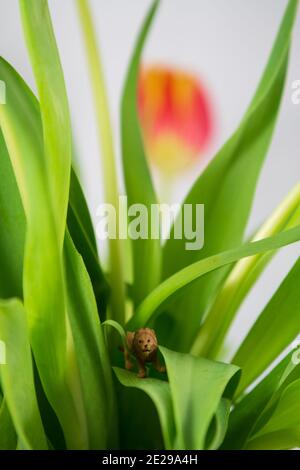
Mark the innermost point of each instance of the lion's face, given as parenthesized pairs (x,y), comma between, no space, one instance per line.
(145,341)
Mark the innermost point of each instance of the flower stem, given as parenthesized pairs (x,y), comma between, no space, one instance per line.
(107,154)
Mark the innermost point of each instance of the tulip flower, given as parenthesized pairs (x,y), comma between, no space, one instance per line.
(176,118)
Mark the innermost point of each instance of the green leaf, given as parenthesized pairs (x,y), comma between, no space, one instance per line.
(78,205)
(17,376)
(227,188)
(197,386)
(82,233)
(42,275)
(282,431)
(79,220)
(12,237)
(55,116)
(12,214)
(279,440)
(287,412)
(54,166)
(8,437)
(186,407)
(221,424)
(242,278)
(139,186)
(251,412)
(150,307)
(92,358)
(159,392)
(273,331)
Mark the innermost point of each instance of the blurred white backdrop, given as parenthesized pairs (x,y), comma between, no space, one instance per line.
(226,43)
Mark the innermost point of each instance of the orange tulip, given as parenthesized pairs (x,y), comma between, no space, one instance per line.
(175,116)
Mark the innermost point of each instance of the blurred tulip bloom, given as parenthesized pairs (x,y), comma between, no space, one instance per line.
(175,115)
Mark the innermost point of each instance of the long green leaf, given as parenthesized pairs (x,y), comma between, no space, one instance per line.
(197,386)
(227,188)
(55,116)
(242,278)
(17,376)
(273,331)
(137,409)
(12,215)
(12,234)
(249,413)
(82,233)
(150,307)
(79,220)
(282,431)
(92,358)
(42,275)
(49,174)
(221,423)
(8,437)
(285,439)
(139,186)
(159,392)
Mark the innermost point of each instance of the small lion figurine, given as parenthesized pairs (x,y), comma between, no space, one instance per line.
(143,345)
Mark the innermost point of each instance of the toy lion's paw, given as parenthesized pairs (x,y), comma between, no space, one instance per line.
(128,365)
(142,374)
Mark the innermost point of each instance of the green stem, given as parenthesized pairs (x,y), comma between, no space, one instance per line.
(241,279)
(108,156)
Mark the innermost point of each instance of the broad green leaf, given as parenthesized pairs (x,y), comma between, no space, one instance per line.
(139,186)
(12,238)
(12,215)
(197,386)
(251,412)
(79,220)
(92,358)
(150,307)
(227,188)
(159,392)
(220,424)
(12,233)
(50,420)
(282,431)
(17,376)
(55,116)
(242,278)
(286,439)
(42,275)
(54,167)
(82,233)
(136,409)
(276,327)
(80,208)
(287,412)
(8,437)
